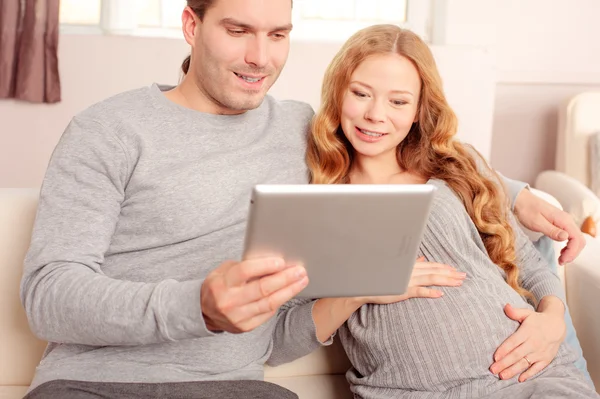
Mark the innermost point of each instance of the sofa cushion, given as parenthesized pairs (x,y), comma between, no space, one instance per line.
(20,350)
(12,391)
(595,163)
(326,360)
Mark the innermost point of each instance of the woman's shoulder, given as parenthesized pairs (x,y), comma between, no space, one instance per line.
(444,192)
(448,218)
(446,203)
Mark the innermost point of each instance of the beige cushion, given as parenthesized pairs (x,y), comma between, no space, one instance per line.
(578,120)
(583,292)
(12,391)
(327,360)
(20,350)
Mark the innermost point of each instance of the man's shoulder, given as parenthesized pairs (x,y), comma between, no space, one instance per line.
(117,106)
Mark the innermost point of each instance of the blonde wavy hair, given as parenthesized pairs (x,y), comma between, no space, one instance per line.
(429,149)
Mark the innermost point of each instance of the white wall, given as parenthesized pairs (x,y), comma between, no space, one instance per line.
(544,50)
(547,51)
(91,68)
(95,67)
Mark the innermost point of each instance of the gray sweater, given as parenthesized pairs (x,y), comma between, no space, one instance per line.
(443,348)
(142,198)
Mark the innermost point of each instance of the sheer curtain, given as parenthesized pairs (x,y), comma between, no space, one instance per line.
(28,50)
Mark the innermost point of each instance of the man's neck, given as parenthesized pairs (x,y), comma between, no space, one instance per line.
(189,95)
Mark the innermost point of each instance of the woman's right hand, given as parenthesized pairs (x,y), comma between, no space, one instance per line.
(424,274)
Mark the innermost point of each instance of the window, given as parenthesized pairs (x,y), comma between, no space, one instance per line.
(323,20)
(336,20)
(77,12)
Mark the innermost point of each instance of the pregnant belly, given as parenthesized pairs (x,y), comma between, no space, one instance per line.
(422,343)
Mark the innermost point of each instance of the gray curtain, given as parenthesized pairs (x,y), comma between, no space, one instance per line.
(28,50)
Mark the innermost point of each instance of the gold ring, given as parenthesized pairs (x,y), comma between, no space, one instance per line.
(527,360)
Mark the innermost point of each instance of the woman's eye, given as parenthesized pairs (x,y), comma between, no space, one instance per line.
(359,94)
(398,102)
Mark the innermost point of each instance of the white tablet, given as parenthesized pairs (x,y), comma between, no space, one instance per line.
(353,240)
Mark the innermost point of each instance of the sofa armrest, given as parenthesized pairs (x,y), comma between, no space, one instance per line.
(583,289)
(575,198)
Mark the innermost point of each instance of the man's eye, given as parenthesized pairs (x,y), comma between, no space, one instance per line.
(236,31)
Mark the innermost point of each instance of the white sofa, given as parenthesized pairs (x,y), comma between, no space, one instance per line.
(319,375)
(579,118)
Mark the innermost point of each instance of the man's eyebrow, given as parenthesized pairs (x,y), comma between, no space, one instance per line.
(370,88)
(243,25)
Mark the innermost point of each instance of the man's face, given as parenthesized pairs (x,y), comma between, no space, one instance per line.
(239,51)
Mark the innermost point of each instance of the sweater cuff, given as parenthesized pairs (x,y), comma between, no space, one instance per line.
(183,317)
(514,188)
(549,287)
(306,337)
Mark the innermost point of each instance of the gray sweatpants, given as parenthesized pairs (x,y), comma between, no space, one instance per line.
(66,389)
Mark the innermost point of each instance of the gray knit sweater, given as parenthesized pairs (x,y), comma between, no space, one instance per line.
(443,347)
(141,200)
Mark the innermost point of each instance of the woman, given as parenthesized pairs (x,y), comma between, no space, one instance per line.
(384,120)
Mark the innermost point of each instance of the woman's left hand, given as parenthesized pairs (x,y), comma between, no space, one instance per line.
(532,347)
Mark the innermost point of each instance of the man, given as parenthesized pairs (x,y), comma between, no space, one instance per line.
(145,199)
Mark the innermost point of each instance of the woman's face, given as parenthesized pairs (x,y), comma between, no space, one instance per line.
(380,104)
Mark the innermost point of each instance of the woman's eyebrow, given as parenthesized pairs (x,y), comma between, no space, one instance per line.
(392,91)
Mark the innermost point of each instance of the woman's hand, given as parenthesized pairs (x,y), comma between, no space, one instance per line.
(536,342)
(424,274)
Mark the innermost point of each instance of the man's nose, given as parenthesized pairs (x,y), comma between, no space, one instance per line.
(257,52)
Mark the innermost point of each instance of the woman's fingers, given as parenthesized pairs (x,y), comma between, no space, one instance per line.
(423,292)
(437,277)
(535,368)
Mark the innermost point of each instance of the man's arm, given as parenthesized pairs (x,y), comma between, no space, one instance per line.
(538,215)
(295,333)
(67,297)
(514,188)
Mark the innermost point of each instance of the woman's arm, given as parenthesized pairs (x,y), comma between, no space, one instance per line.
(330,313)
(305,325)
